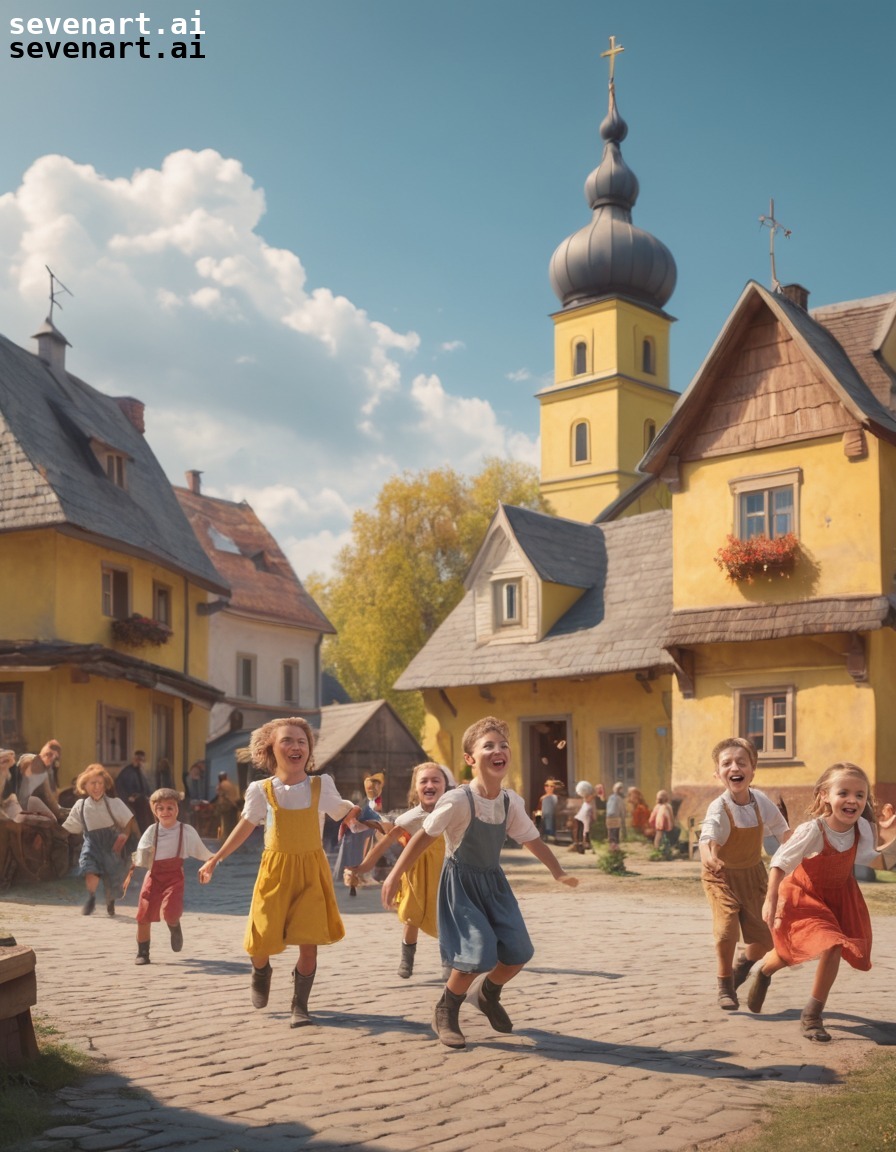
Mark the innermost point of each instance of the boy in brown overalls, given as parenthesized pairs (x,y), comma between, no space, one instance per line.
(734,876)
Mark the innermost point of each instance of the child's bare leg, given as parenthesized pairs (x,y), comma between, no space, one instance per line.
(92,883)
(501,973)
(307,962)
(143,932)
(825,974)
(725,950)
(410,934)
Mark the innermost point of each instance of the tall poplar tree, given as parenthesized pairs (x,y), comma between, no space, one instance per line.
(403,572)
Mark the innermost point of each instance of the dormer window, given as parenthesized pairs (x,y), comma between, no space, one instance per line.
(580,359)
(508,603)
(112,461)
(115,469)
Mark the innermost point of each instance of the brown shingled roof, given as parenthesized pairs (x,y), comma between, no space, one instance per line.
(774,621)
(262,581)
(855,324)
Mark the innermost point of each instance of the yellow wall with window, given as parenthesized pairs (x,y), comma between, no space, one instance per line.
(839,525)
(617,703)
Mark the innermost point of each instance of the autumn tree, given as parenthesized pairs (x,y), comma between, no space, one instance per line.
(403,572)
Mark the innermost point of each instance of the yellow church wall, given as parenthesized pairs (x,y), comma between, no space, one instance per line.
(591,708)
(839,525)
(613,331)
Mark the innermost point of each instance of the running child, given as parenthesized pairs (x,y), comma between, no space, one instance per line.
(105,822)
(162,850)
(733,874)
(481,929)
(294,901)
(416,902)
(814,907)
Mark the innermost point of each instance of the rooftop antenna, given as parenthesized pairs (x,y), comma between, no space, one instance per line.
(613,51)
(56,286)
(773,226)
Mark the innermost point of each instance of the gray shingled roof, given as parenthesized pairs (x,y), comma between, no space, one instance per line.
(618,625)
(50,477)
(774,621)
(561,551)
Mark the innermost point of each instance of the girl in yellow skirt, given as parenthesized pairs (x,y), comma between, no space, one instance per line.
(294,901)
(417,898)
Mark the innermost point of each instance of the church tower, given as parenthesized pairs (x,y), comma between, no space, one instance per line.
(611,392)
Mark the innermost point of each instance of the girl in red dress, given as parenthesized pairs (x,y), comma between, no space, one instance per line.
(814,907)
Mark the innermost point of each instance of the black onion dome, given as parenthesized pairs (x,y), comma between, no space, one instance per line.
(610,256)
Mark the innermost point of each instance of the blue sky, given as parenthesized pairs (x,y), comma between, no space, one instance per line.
(320,254)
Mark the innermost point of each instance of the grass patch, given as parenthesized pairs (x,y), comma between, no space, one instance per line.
(27,1093)
(613,863)
(857,1116)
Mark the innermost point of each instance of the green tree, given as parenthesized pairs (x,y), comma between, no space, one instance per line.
(403,572)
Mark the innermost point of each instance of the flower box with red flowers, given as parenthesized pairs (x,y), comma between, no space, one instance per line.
(138,631)
(758,558)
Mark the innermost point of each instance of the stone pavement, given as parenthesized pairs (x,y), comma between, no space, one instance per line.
(618,1042)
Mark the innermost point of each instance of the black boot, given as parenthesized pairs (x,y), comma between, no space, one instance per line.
(302,985)
(406,967)
(142,952)
(489,1002)
(444,1020)
(89,905)
(177,936)
(261,985)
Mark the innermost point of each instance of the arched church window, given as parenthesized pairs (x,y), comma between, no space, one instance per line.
(648,357)
(580,366)
(580,451)
(649,433)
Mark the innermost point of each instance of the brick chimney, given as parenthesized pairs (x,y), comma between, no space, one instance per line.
(194,482)
(797,294)
(51,345)
(134,410)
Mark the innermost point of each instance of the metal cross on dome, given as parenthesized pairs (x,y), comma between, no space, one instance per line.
(773,226)
(613,51)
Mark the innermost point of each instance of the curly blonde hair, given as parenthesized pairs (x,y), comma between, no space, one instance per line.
(261,745)
(821,807)
(89,772)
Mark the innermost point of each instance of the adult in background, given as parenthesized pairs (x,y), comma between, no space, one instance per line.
(132,785)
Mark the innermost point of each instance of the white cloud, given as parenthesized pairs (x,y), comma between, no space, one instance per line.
(519,375)
(282,393)
(452,346)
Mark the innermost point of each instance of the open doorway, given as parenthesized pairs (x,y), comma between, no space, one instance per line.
(547,753)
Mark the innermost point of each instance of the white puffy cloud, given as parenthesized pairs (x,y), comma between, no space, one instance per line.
(282,393)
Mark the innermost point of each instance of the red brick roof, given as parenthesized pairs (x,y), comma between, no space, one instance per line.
(262,581)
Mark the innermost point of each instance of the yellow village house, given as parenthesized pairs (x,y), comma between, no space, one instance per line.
(617,647)
(103,640)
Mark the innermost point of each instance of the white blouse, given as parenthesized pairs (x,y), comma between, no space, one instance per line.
(716,823)
(167,845)
(295,796)
(808,840)
(451,816)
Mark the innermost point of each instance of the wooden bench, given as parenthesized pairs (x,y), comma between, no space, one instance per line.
(18,991)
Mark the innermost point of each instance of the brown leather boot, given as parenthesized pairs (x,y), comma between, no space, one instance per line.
(742,970)
(261,985)
(489,1002)
(445,1023)
(302,990)
(406,966)
(811,1022)
(728,1000)
(758,989)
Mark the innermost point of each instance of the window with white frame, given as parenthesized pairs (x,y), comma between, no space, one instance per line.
(116,470)
(766,716)
(161,604)
(116,593)
(580,445)
(116,729)
(767,505)
(508,603)
(620,753)
(290,681)
(245,676)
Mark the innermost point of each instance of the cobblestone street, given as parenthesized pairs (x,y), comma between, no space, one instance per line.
(617,1043)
